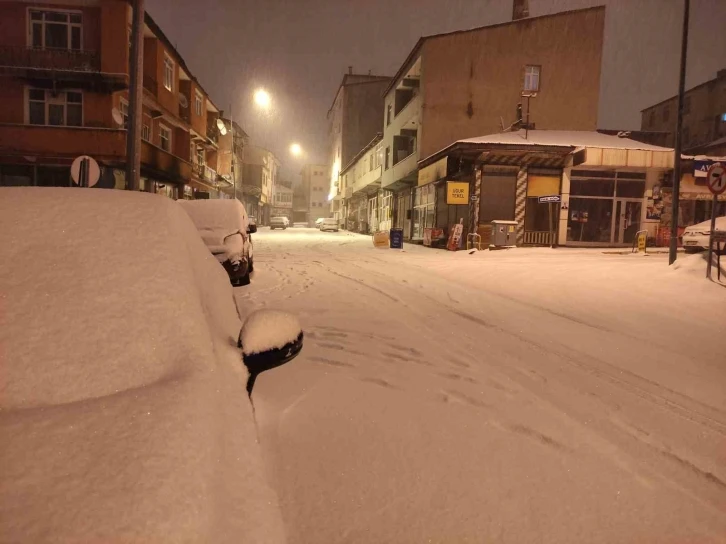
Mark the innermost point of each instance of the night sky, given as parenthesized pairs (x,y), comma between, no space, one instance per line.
(299,50)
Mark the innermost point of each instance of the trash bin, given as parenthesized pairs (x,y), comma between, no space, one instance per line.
(504,233)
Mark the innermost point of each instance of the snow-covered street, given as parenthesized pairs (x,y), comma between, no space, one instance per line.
(529,395)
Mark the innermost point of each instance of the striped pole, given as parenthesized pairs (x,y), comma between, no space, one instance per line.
(520,203)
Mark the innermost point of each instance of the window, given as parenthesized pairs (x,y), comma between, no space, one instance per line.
(388,114)
(168,73)
(146,128)
(165,138)
(55,29)
(531,78)
(666,113)
(124,109)
(388,157)
(370,168)
(200,155)
(198,103)
(62,109)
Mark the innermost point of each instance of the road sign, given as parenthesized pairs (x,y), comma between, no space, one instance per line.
(549,198)
(717,179)
(85,171)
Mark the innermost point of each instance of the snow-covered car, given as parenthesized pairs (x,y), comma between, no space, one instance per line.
(319,222)
(225,228)
(330,224)
(124,411)
(696,237)
(280,222)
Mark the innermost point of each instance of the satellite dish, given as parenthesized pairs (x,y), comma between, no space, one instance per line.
(183,102)
(222,127)
(117,117)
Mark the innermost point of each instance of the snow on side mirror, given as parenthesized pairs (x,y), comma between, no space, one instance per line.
(268,339)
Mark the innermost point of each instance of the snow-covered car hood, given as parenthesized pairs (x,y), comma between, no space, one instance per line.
(123,410)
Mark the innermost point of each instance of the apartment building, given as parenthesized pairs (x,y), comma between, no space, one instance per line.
(64,92)
(369,206)
(354,119)
(259,172)
(282,200)
(316,185)
(467,83)
(704,117)
(230,158)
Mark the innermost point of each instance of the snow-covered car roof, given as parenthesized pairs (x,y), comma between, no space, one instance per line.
(216,219)
(720,224)
(124,412)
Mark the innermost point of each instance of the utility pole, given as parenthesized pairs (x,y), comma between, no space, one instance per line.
(679,121)
(136,89)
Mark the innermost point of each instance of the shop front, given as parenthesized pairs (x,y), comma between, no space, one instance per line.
(605,207)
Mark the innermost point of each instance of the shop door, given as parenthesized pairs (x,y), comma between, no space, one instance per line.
(627,223)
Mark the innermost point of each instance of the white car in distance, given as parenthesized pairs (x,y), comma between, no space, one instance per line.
(695,238)
(330,224)
(280,222)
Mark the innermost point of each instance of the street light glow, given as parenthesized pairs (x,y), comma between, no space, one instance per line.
(262,98)
(296,150)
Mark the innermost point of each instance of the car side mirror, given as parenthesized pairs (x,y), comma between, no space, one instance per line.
(268,339)
(251,228)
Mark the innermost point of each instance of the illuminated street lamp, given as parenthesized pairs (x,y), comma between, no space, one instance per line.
(262,98)
(295,150)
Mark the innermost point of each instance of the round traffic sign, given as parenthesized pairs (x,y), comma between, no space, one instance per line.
(716,178)
(85,171)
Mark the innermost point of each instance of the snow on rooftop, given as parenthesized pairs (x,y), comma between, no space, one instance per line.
(122,392)
(563,138)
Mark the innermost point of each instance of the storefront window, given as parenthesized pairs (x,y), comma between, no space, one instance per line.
(589,220)
(605,206)
(423,212)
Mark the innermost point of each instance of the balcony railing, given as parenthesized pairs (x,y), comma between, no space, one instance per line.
(205,172)
(49,59)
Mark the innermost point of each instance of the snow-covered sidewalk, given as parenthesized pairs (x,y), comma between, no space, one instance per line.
(510,396)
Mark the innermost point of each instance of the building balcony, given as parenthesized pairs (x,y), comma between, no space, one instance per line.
(368,183)
(205,173)
(162,165)
(49,59)
(67,142)
(403,174)
(59,64)
(151,85)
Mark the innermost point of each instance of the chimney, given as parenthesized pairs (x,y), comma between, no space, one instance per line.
(520,9)
(369,72)
(350,69)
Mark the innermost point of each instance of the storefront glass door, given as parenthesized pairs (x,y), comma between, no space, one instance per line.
(627,220)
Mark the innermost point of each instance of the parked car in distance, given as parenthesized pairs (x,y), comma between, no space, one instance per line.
(695,238)
(280,222)
(225,229)
(330,224)
(134,384)
(319,222)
